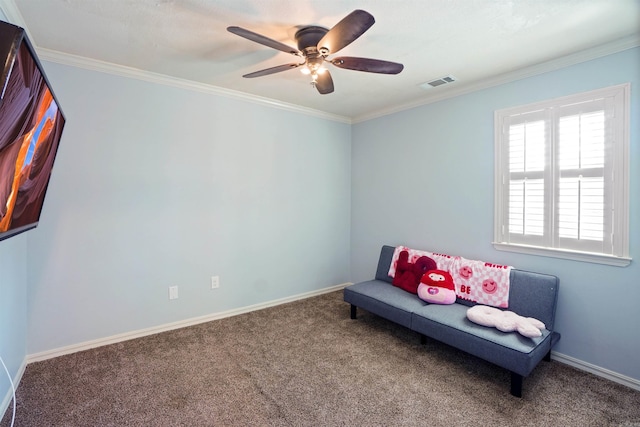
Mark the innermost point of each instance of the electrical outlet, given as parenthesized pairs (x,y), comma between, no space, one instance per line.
(215,282)
(173,292)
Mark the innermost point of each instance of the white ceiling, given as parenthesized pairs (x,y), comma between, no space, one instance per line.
(480,42)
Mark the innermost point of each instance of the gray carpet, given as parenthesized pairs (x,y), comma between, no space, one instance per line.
(306,364)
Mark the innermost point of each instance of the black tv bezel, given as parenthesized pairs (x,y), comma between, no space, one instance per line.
(16,37)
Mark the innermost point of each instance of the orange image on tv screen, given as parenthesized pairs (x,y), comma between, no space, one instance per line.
(31,142)
(31,124)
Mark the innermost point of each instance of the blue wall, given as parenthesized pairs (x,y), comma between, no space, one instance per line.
(158,186)
(424,178)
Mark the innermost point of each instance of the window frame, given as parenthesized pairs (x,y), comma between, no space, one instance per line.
(618,167)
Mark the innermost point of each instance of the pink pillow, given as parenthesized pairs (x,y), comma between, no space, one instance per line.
(436,287)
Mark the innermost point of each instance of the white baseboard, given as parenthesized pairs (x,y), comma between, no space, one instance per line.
(9,397)
(596,370)
(50,354)
(562,358)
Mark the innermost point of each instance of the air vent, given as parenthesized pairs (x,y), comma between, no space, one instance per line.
(438,82)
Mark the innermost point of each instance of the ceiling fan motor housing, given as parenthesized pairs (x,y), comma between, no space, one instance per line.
(308,38)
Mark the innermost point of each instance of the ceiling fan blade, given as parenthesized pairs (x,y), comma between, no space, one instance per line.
(324,84)
(346,31)
(271,70)
(367,64)
(259,38)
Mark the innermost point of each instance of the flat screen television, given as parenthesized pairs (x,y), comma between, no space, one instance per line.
(31,124)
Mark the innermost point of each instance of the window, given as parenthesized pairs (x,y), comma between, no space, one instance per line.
(562,177)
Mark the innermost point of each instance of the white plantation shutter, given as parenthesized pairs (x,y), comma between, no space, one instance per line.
(581,163)
(527,135)
(561,175)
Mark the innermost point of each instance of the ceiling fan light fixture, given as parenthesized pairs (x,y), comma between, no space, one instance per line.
(313,67)
(307,70)
(311,70)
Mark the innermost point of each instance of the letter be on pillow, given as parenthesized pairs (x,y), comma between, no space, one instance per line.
(436,287)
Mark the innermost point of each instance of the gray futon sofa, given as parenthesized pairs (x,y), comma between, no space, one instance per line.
(530,295)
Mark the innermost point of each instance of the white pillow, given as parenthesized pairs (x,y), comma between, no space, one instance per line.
(505,321)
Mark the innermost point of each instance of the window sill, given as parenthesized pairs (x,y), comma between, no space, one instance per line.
(564,254)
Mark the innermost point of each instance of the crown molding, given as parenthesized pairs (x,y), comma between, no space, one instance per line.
(606,49)
(161,79)
(11,11)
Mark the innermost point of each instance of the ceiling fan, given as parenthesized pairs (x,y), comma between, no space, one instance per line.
(315,44)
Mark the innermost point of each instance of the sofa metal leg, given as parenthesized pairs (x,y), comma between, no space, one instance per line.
(516,384)
(423,339)
(547,358)
(354,311)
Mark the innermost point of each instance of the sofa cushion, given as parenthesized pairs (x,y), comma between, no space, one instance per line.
(510,350)
(382,271)
(384,300)
(455,316)
(534,295)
